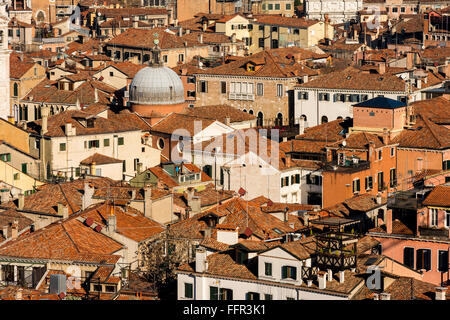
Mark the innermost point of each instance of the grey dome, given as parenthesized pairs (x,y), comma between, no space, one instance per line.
(155,86)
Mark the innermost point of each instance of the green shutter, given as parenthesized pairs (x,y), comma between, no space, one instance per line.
(188,290)
(283,272)
(24,168)
(213,293)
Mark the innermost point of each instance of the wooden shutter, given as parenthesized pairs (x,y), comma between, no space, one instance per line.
(284,272)
(213,293)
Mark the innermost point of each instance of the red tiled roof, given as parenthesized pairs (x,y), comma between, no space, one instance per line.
(130,222)
(353,79)
(439,196)
(68,240)
(143,38)
(99,159)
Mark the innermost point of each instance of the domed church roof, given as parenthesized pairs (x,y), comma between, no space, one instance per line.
(156,85)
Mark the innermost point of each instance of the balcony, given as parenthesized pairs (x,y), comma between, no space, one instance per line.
(241,96)
(434,233)
(347,166)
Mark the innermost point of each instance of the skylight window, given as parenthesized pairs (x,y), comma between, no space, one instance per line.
(277,230)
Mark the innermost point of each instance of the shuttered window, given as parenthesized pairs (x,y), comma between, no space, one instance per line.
(408,257)
(423,259)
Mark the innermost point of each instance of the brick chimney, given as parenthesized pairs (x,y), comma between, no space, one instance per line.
(15,229)
(382,68)
(388,220)
(148,203)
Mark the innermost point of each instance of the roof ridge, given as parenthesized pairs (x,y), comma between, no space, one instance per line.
(427,123)
(70,238)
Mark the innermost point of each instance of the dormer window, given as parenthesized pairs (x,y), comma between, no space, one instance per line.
(241,257)
(250,67)
(90,123)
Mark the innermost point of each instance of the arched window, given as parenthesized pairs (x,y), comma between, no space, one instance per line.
(324,119)
(244,110)
(279,120)
(16,89)
(339,118)
(250,111)
(303,117)
(260,120)
(40,16)
(20,113)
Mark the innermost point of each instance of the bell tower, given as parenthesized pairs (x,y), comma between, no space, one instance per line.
(5,93)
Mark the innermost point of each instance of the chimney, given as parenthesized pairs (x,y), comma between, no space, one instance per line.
(44,113)
(385,296)
(63,210)
(227,121)
(96,95)
(322,278)
(5,232)
(193,202)
(21,201)
(388,220)
(148,202)
(15,229)
(4,197)
(19,294)
(92,168)
(382,68)
(200,38)
(301,126)
(227,236)
(379,198)
(201,264)
(309,282)
(440,293)
(410,63)
(87,196)
(180,31)
(419,83)
(11,119)
(205,25)
(233,38)
(341,277)
(306,219)
(70,131)
(330,275)
(112,220)
(385,136)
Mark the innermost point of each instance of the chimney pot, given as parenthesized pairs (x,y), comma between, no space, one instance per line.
(441,293)
(21,201)
(322,278)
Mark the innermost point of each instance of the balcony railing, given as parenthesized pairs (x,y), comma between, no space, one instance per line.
(434,233)
(241,96)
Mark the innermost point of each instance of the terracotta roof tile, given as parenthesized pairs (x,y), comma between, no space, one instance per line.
(353,79)
(99,159)
(439,196)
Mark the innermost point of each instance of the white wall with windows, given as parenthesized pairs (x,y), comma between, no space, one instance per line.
(318,105)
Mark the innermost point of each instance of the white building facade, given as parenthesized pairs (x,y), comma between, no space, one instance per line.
(338,11)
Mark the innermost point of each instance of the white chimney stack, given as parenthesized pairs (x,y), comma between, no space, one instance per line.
(322,278)
(201,264)
(441,293)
